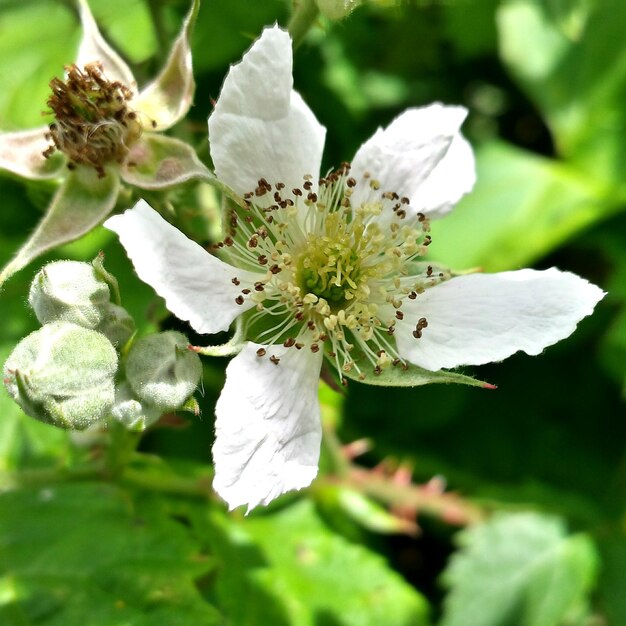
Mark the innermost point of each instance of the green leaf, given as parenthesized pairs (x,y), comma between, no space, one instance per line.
(522,207)
(291,569)
(29,61)
(86,554)
(562,60)
(521,569)
(80,204)
(613,576)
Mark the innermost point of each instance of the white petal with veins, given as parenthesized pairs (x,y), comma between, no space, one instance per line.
(268,429)
(260,127)
(481,318)
(197,287)
(403,156)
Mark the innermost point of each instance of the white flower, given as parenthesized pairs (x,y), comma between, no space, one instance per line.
(331,268)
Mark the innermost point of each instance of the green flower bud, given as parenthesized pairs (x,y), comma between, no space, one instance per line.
(162,371)
(63,375)
(337,9)
(117,325)
(134,414)
(69,291)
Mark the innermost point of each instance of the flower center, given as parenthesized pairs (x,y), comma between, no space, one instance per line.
(329,265)
(93,124)
(335,275)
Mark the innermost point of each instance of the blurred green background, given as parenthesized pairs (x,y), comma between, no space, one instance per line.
(545,85)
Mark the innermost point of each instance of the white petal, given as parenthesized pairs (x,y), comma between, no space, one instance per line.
(196,286)
(268,429)
(403,156)
(450,180)
(93,48)
(260,127)
(481,318)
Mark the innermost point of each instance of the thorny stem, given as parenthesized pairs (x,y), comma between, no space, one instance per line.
(304,15)
(119,466)
(449,507)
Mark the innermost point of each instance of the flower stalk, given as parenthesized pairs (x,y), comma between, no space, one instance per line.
(304,14)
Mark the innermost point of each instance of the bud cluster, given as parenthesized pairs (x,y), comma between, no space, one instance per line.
(84,365)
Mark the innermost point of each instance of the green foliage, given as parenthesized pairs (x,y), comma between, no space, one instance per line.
(111,565)
(292,569)
(518,569)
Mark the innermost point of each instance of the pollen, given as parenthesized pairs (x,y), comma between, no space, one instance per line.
(94,124)
(335,273)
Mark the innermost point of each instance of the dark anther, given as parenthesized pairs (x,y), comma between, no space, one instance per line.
(235,281)
(399,315)
(239,299)
(262,260)
(315,347)
(274,359)
(261,352)
(290,341)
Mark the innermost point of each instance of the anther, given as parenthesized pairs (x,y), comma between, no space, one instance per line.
(274,359)
(239,300)
(235,281)
(261,352)
(315,347)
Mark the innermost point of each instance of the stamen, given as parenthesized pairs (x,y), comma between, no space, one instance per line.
(336,277)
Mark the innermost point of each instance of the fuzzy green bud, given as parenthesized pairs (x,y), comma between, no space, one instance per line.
(63,375)
(162,371)
(134,414)
(69,291)
(117,325)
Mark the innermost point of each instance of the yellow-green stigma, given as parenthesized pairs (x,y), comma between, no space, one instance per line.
(93,124)
(332,275)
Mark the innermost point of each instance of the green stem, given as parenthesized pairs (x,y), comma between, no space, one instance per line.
(334,451)
(164,482)
(304,14)
(156,13)
(121,449)
(36,477)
